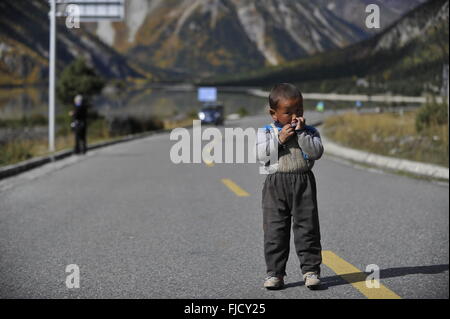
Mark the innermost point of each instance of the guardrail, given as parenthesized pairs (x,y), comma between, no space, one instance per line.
(354,97)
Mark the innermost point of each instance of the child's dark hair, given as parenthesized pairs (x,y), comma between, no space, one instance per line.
(286,91)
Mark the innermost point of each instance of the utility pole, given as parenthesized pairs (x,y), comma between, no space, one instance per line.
(51,82)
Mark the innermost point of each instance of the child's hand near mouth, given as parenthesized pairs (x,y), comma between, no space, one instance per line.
(298,123)
(286,132)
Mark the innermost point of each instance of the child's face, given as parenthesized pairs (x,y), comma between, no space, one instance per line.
(287,111)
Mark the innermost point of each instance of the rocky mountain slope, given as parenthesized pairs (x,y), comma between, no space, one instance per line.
(408,58)
(24,38)
(184,40)
(204,37)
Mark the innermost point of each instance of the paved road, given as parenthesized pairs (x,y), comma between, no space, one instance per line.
(139,226)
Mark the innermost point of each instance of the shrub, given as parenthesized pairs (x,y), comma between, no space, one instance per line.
(432,113)
(133,125)
(78,78)
(242,111)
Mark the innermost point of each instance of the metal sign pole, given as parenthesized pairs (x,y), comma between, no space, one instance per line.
(92,10)
(51,83)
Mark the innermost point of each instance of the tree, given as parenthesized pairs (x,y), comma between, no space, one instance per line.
(78,78)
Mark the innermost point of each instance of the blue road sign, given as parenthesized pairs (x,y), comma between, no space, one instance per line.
(207,94)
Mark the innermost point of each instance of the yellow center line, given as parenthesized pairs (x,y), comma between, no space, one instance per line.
(356,277)
(208,151)
(234,188)
(208,162)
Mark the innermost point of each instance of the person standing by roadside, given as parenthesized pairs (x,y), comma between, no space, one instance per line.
(79,124)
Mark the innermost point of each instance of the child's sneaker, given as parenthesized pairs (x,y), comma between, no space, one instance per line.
(312,280)
(273,283)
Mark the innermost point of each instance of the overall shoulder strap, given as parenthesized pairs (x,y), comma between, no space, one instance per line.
(275,130)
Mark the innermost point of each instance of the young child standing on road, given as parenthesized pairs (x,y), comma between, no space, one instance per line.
(289,191)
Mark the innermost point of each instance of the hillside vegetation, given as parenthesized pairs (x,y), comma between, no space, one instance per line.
(407,58)
(24,45)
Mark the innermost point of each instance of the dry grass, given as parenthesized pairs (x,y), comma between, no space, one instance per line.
(18,150)
(21,150)
(169,125)
(391,135)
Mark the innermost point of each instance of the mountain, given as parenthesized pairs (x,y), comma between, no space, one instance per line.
(390,11)
(184,40)
(199,38)
(24,42)
(407,58)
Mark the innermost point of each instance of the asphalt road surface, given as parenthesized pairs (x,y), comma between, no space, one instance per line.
(139,226)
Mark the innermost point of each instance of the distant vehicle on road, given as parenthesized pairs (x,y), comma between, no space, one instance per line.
(211,113)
